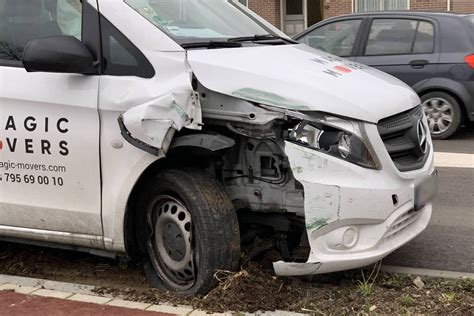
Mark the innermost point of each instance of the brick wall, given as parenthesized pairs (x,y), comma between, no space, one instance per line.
(429,5)
(462,6)
(337,7)
(267,9)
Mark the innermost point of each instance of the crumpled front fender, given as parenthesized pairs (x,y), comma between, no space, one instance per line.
(151,126)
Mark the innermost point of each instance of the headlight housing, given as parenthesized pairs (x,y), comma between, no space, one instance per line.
(336,137)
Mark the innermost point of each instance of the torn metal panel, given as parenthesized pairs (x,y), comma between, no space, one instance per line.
(221,109)
(321,202)
(151,126)
(321,205)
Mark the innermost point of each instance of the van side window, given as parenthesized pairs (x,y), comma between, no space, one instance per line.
(24,20)
(120,56)
(399,37)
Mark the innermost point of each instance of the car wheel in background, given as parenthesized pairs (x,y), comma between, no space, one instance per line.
(443,113)
(192,231)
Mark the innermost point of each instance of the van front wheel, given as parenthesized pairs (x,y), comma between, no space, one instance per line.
(192,232)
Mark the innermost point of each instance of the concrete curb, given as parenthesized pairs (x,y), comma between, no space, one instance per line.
(85,294)
(428,272)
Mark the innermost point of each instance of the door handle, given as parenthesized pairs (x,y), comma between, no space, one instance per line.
(418,64)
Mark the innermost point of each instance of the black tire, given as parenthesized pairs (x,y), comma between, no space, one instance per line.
(456,114)
(215,240)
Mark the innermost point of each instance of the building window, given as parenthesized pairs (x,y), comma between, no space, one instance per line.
(380,5)
(244,2)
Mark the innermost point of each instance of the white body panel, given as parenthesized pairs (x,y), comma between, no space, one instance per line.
(122,166)
(58,188)
(102,168)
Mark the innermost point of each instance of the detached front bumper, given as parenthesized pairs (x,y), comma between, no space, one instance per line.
(354,216)
(377,240)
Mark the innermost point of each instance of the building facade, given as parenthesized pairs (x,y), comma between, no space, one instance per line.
(293,16)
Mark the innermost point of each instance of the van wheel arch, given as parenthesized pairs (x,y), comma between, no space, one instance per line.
(194,159)
(205,201)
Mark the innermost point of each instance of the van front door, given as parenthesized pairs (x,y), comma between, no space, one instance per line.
(49,131)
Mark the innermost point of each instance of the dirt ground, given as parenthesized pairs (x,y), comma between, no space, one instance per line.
(253,288)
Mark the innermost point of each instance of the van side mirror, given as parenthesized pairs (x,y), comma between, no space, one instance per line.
(60,54)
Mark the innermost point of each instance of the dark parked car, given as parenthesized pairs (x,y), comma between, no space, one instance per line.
(431,52)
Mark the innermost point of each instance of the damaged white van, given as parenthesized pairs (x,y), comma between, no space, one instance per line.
(183,130)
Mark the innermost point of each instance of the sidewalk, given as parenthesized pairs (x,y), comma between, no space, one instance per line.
(30,296)
(13,303)
(38,297)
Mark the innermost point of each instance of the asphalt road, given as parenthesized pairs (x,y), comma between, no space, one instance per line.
(448,242)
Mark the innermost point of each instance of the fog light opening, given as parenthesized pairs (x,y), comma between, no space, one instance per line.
(349,238)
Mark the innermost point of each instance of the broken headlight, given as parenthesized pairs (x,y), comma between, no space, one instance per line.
(336,137)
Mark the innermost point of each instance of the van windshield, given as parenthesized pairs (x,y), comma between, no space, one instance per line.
(189,21)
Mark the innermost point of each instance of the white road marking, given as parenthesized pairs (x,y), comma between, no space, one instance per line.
(454,160)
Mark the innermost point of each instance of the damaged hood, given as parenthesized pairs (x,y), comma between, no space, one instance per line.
(298,77)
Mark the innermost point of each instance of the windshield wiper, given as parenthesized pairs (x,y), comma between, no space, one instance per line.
(211,44)
(260,37)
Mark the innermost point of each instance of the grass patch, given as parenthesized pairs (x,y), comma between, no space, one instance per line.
(448,297)
(366,285)
(406,300)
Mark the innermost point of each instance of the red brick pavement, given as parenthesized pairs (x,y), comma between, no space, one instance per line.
(13,304)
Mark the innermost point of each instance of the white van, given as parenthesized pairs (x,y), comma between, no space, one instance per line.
(183,130)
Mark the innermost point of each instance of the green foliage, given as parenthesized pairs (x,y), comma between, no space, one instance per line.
(366,308)
(448,297)
(364,288)
(466,285)
(366,285)
(406,300)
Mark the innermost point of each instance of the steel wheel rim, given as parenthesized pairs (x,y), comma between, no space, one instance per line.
(439,113)
(171,241)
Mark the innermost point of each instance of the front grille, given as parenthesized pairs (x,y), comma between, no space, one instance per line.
(402,222)
(403,138)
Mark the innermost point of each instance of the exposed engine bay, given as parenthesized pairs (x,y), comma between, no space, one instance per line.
(248,158)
